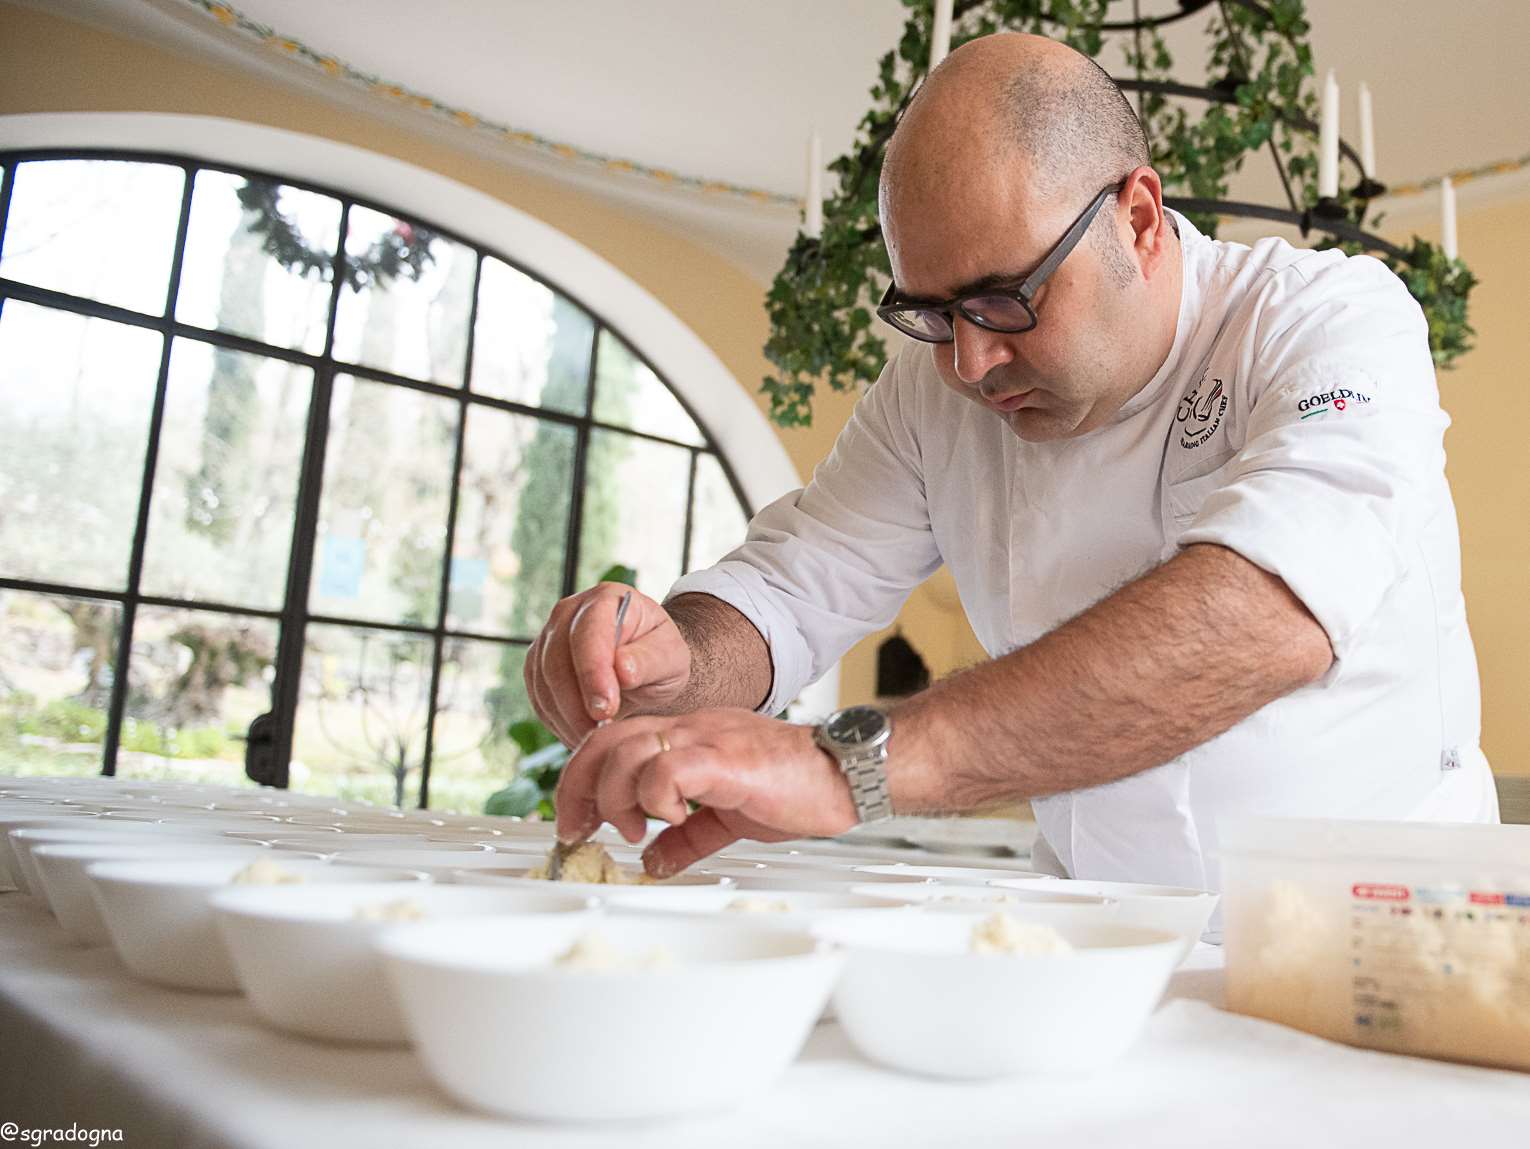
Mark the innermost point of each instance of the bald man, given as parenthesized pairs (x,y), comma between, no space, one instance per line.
(1192,494)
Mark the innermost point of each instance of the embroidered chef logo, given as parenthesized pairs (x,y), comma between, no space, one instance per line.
(1331,403)
(1199,415)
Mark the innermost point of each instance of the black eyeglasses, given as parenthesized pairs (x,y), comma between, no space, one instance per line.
(1005,308)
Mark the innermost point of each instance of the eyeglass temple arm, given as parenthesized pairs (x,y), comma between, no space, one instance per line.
(1059,253)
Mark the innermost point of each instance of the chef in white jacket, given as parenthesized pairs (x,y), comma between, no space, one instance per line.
(1192,494)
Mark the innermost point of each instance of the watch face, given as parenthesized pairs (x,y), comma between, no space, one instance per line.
(857,726)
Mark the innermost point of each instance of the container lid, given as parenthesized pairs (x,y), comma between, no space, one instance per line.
(1322,838)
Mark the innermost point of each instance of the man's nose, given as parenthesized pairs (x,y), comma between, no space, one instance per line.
(976,351)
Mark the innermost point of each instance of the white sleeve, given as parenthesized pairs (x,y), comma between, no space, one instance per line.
(827,565)
(1344,455)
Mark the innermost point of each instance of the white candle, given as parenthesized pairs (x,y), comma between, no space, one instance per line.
(1328,140)
(1448,217)
(1367,134)
(940,33)
(812,215)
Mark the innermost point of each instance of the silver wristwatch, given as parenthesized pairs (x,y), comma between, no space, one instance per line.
(857,737)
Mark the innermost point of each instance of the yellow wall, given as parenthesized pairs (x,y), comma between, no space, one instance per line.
(50,64)
(1488,449)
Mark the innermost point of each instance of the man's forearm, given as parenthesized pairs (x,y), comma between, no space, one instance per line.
(1166,663)
(730,661)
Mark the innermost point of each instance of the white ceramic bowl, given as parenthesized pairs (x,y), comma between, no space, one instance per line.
(691,891)
(309,965)
(954,875)
(10,876)
(913,996)
(162,926)
(502,1028)
(1180,911)
(807,878)
(439,864)
(24,842)
(61,867)
(1032,906)
(801,907)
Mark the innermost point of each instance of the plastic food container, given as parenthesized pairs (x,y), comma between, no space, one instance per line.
(1406,937)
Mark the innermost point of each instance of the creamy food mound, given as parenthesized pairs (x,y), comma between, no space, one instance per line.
(594,953)
(999,933)
(265,873)
(590,863)
(759,906)
(398,910)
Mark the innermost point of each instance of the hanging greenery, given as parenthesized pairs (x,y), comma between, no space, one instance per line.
(821,304)
(403,251)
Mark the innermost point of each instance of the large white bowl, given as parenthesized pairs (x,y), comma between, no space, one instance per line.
(162,926)
(10,876)
(502,1028)
(703,892)
(913,996)
(309,965)
(61,867)
(1179,910)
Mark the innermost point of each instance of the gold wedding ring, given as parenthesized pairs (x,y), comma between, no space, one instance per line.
(663,742)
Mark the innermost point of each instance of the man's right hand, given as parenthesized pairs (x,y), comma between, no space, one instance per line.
(577,672)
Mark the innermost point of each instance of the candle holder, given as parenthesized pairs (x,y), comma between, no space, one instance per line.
(1327,210)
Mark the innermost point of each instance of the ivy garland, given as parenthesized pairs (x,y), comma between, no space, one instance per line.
(821,303)
(403,251)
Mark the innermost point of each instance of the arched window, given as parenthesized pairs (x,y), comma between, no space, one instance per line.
(268,447)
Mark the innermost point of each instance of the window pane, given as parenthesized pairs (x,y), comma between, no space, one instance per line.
(77,395)
(225,487)
(530,345)
(382,514)
(360,730)
(56,659)
(718,522)
(407,296)
(512,523)
(481,694)
(195,682)
(103,229)
(634,510)
(629,394)
(259,260)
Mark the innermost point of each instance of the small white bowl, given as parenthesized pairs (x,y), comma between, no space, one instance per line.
(10,876)
(1046,908)
(802,907)
(915,998)
(954,875)
(503,1028)
(24,842)
(162,926)
(439,864)
(61,870)
(309,965)
(807,878)
(1179,910)
(704,892)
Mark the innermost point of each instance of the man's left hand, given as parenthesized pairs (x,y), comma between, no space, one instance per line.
(753,777)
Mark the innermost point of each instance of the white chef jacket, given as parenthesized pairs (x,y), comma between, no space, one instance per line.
(1295,421)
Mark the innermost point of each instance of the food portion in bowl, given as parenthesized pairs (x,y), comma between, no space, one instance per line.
(999,933)
(591,864)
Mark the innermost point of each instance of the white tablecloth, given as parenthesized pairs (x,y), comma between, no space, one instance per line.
(83,1044)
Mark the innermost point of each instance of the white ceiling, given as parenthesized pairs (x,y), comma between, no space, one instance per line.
(728,90)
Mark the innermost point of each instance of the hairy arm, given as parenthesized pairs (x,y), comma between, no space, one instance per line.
(730,661)
(1166,663)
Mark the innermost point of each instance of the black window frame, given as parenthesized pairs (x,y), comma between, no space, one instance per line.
(294,616)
